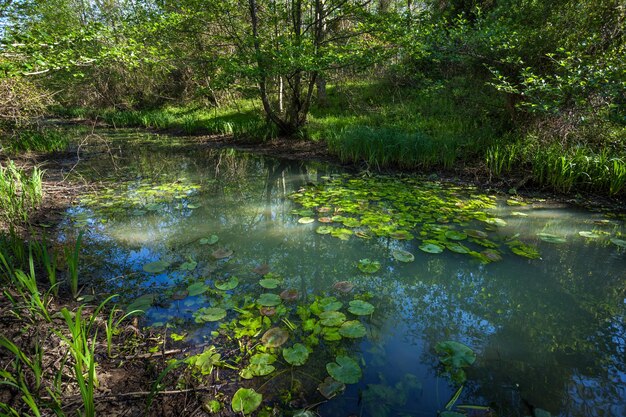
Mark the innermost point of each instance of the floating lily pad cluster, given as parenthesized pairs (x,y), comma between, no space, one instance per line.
(139,199)
(283,333)
(263,311)
(442,217)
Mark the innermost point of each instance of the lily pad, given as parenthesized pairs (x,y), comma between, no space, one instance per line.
(325,220)
(227,285)
(193,206)
(274,337)
(209,314)
(431,248)
(368,266)
(550,238)
(268,300)
(246,400)
(221,253)
(456,235)
(351,222)
(352,329)
(457,248)
(341,233)
(326,304)
(156,267)
(330,388)
(267,311)
(324,230)
(296,355)
(344,369)
(211,240)
(402,255)
(455,354)
(492,255)
(360,308)
(343,286)
(332,318)
(589,235)
(269,283)
(496,221)
(260,365)
(190,265)
(330,334)
(141,303)
(289,294)
(619,242)
(401,235)
(477,234)
(197,288)
(306,220)
(522,249)
(263,269)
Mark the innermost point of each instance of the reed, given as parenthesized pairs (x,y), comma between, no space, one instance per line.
(20,193)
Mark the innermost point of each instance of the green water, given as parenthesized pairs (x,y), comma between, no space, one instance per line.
(547,333)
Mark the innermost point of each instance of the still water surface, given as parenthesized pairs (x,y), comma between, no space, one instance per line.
(548,333)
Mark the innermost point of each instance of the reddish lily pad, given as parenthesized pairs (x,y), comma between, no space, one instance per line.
(289,294)
(343,286)
(222,253)
(330,388)
(262,269)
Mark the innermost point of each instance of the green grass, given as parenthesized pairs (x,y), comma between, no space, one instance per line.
(431,126)
(560,167)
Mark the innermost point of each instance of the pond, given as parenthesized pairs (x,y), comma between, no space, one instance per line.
(389,295)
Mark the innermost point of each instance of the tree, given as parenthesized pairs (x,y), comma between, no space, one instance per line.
(294,42)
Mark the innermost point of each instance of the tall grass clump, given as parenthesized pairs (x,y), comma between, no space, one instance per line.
(20,193)
(383,147)
(563,169)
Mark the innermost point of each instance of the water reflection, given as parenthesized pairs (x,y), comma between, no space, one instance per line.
(548,333)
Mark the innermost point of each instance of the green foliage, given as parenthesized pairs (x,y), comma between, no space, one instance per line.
(21,193)
(246,400)
(561,167)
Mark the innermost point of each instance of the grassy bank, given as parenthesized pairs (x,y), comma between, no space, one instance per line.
(451,125)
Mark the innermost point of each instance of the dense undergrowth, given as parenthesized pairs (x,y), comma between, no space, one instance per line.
(453,125)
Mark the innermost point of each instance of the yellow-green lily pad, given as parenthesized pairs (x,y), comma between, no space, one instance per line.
(368,266)
(431,248)
(402,255)
(227,285)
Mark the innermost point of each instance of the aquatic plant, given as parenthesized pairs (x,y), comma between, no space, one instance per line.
(441,217)
(455,356)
